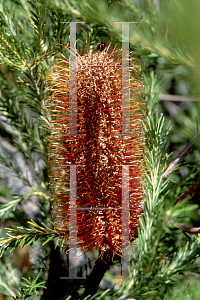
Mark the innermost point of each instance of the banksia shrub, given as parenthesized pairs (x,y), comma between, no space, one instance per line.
(99,149)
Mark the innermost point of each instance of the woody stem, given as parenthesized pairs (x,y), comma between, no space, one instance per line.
(100,268)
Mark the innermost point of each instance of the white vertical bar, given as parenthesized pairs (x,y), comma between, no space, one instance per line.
(125,79)
(73,224)
(73,227)
(125,260)
(72,82)
(125,216)
(73,132)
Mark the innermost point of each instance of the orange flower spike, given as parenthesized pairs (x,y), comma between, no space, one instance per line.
(99,152)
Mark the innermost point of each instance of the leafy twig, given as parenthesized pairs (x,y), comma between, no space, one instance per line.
(21,236)
(29,287)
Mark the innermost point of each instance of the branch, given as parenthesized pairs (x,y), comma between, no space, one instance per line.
(177,98)
(192,191)
(100,268)
(185,228)
(173,165)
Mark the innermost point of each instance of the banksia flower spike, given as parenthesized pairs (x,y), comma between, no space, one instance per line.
(99,149)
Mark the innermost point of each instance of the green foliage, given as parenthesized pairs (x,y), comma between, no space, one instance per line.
(152,89)
(149,33)
(21,236)
(31,33)
(9,278)
(188,290)
(155,266)
(30,286)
